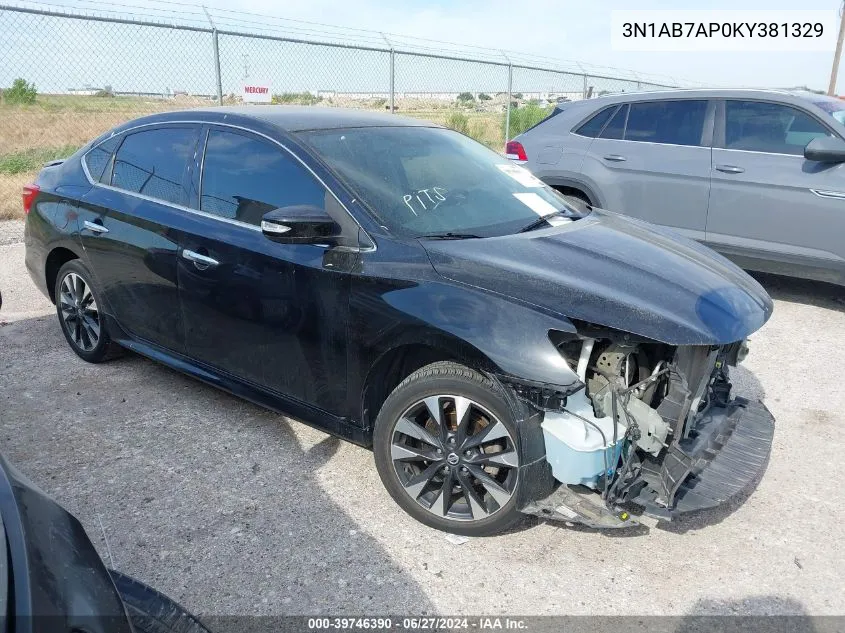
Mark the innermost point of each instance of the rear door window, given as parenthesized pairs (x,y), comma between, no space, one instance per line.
(244,177)
(155,162)
(678,122)
(615,129)
(759,126)
(592,127)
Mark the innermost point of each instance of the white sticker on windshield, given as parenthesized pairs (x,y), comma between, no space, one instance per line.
(539,206)
(521,175)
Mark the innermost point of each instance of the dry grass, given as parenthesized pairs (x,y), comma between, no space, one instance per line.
(484,127)
(54,127)
(57,124)
(11,204)
(70,120)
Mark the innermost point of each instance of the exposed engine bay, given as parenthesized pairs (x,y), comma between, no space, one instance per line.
(648,421)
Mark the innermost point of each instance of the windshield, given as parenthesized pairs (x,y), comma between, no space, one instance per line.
(422,181)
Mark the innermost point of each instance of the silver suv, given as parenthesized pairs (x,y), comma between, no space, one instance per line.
(756,175)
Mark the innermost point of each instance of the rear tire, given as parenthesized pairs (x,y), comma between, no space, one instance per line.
(460,474)
(78,308)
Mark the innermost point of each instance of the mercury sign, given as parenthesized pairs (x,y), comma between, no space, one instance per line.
(257,92)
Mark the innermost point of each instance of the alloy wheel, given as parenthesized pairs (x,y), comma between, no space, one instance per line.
(79,312)
(454,458)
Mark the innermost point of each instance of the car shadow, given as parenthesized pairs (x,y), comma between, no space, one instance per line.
(746,384)
(761,613)
(218,503)
(806,291)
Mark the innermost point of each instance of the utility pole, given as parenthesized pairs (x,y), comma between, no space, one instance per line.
(831,90)
(216,51)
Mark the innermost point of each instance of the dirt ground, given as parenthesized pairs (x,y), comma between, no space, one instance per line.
(232,509)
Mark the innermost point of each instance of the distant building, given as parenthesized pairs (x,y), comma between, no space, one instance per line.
(86,90)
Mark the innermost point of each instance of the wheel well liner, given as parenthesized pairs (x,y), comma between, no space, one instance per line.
(566,185)
(574,191)
(57,258)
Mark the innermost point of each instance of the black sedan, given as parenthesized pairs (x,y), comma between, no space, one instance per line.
(403,287)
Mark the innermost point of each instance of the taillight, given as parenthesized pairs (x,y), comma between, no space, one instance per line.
(29,193)
(515,151)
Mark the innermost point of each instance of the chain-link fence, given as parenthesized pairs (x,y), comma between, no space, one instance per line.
(66,78)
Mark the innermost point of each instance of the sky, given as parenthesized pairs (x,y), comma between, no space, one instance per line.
(576,34)
(566,29)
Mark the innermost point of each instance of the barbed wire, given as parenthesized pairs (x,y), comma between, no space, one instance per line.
(175,13)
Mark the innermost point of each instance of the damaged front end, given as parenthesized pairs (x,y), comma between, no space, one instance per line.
(653,432)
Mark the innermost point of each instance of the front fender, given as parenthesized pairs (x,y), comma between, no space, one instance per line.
(514,337)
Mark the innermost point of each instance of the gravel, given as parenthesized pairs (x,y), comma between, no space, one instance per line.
(11,232)
(232,509)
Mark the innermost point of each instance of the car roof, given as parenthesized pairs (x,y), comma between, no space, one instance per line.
(301,118)
(706,93)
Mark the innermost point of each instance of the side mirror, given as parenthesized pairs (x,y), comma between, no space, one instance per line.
(300,224)
(825,149)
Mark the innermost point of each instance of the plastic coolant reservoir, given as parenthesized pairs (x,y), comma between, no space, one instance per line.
(575,449)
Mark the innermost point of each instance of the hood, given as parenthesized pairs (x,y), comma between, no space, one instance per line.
(617,272)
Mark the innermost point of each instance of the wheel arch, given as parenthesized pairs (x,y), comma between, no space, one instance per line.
(410,353)
(57,258)
(569,185)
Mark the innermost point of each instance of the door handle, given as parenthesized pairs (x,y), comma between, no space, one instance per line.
(200,261)
(615,158)
(95,227)
(730,169)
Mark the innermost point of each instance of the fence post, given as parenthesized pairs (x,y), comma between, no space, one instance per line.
(392,79)
(508,108)
(584,96)
(217,65)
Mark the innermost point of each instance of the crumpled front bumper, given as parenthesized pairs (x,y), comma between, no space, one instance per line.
(729,452)
(725,456)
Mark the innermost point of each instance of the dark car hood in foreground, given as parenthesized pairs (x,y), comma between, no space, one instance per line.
(617,272)
(59,582)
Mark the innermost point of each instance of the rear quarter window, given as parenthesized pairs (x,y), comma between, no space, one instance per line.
(615,129)
(593,126)
(98,159)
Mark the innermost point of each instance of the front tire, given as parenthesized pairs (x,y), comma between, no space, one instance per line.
(78,308)
(446,447)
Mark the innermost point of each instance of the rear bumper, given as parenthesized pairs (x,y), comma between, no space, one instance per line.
(35,259)
(724,457)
